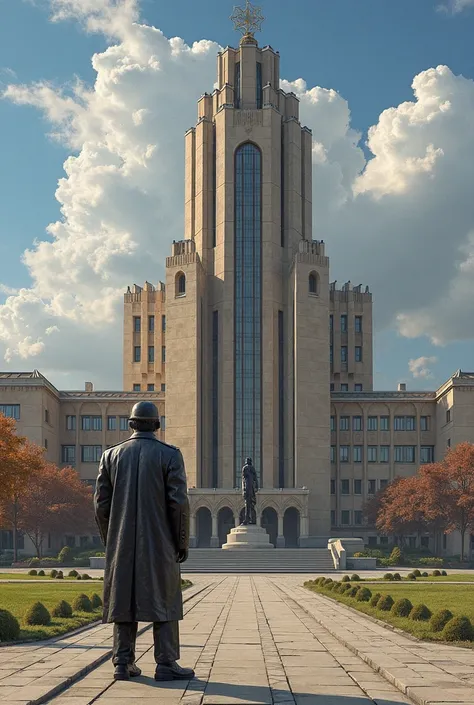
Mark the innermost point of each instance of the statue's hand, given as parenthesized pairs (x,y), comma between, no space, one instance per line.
(183,555)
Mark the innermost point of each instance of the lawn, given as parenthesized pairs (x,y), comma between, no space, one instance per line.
(457,598)
(25,576)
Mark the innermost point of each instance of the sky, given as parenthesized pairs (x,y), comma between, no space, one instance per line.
(95,97)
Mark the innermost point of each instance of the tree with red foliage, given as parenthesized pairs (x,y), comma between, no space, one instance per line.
(372,507)
(400,510)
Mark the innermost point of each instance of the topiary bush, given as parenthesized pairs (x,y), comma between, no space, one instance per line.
(32,572)
(385,603)
(42,573)
(353,591)
(73,574)
(63,610)
(9,626)
(60,575)
(397,576)
(78,577)
(440,619)
(96,601)
(38,615)
(411,576)
(424,574)
(82,603)
(345,579)
(363,595)
(85,576)
(346,587)
(417,573)
(420,613)
(65,554)
(355,578)
(443,572)
(458,629)
(402,608)
(374,599)
(396,556)
(436,573)
(388,576)
(53,573)
(330,586)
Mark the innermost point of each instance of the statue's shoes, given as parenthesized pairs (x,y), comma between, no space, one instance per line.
(121,673)
(173,672)
(134,671)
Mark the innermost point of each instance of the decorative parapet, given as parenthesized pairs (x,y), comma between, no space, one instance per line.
(136,294)
(311,252)
(383,396)
(348,292)
(184,252)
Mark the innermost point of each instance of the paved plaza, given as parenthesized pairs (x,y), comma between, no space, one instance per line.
(252,640)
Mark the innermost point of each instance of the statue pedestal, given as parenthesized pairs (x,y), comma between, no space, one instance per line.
(247,538)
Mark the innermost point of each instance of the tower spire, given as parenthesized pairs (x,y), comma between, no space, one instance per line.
(247,20)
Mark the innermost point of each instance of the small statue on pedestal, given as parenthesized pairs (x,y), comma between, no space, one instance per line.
(249,492)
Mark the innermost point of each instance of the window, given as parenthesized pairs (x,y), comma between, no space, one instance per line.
(333,454)
(151,353)
(344,423)
(357,486)
(237,85)
(445,541)
(404,423)
(357,423)
(426,454)
(163,423)
(151,324)
(46,416)
(68,455)
(344,454)
(345,488)
(448,416)
(137,353)
(344,387)
(343,323)
(448,443)
(333,486)
(372,486)
(412,541)
(163,387)
(331,323)
(333,517)
(345,517)
(424,423)
(91,423)
(10,410)
(358,517)
(163,354)
(358,324)
(70,423)
(372,423)
(404,454)
(150,387)
(383,484)
(259,96)
(331,387)
(91,454)
(180,284)
(358,353)
(425,542)
(163,324)
(343,353)
(136,387)
(384,454)
(357,454)
(331,356)
(371,454)
(313,283)
(383,540)
(357,387)
(385,423)
(46,443)
(111,423)
(137,324)
(372,541)
(333,423)
(123,423)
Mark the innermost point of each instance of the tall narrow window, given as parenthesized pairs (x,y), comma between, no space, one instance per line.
(259,96)
(313,283)
(151,324)
(215,399)
(214,187)
(237,86)
(137,324)
(180,284)
(163,323)
(248,307)
(151,353)
(137,353)
(282,190)
(163,354)
(281,401)
(344,323)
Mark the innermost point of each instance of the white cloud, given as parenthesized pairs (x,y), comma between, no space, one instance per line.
(403,223)
(456,6)
(420,368)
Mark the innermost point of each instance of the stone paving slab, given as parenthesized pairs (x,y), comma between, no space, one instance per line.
(428,673)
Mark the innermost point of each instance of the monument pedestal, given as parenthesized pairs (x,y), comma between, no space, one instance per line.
(247,538)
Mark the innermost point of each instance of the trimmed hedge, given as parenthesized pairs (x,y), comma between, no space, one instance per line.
(73,574)
(421,613)
(397,576)
(440,619)
(32,572)
(411,576)
(82,603)
(458,629)
(402,608)
(53,573)
(38,615)
(363,595)
(353,591)
(374,599)
(9,626)
(388,576)
(345,579)
(42,573)
(385,603)
(355,578)
(63,610)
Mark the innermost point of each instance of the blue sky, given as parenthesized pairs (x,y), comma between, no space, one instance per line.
(369,51)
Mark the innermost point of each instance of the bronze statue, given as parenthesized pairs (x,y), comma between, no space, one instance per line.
(249,492)
(142,510)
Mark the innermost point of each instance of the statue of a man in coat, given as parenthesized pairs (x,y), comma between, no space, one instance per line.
(142,510)
(249,492)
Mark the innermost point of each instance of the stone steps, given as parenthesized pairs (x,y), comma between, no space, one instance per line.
(275,560)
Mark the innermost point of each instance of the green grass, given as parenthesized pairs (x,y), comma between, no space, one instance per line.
(457,598)
(454,578)
(25,576)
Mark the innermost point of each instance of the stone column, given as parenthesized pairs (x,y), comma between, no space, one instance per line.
(215,532)
(192,531)
(304,529)
(280,538)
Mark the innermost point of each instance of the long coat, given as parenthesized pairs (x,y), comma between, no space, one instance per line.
(142,510)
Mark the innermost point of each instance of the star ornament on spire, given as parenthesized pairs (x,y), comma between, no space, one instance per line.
(248,19)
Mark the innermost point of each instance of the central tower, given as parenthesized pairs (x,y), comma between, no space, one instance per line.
(247,290)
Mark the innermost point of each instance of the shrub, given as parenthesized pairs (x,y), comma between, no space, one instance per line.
(32,572)
(345,579)
(402,608)
(417,573)
(420,613)
(397,576)
(458,629)
(432,562)
(63,610)
(60,575)
(42,573)
(82,604)
(374,599)
(440,619)
(436,573)
(38,614)
(9,627)
(33,561)
(396,556)
(443,572)
(78,577)
(85,576)
(96,601)
(411,576)
(355,577)
(73,574)
(53,573)
(388,576)
(424,574)
(331,585)
(65,554)
(385,603)
(346,587)
(353,591)
(363,595)
(101,577)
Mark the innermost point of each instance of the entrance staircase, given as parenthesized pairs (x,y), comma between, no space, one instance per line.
(275,560)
